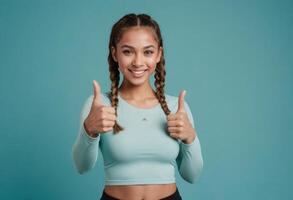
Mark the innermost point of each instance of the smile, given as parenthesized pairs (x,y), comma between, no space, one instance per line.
(137,73)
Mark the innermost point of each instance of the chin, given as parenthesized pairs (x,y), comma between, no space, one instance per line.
(137,81)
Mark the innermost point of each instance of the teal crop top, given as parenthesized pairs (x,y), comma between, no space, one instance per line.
(144,152)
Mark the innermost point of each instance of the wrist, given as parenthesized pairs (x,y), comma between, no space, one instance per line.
(88,131)
(189,140)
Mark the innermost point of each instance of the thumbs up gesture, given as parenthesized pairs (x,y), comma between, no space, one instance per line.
(179,125)
(101,118)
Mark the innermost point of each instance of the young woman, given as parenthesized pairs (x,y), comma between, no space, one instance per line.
(142,134)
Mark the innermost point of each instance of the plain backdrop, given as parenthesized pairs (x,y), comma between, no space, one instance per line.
(234,59)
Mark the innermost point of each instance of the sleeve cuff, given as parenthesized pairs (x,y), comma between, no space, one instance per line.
(195,143)
(88,138)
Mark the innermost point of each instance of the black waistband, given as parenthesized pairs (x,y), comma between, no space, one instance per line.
(174,196)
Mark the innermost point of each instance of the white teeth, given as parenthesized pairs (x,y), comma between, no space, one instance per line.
(138,73)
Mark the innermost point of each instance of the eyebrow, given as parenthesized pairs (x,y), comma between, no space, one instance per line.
(133,47)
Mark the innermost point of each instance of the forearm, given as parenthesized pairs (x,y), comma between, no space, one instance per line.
(190,161)
(85,150)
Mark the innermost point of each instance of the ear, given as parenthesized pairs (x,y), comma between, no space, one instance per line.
(113,52)
(159,54)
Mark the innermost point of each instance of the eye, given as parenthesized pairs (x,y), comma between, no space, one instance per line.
(149,52)
(126,52)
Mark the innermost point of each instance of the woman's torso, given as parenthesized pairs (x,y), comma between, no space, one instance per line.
(142,191)
(139,192)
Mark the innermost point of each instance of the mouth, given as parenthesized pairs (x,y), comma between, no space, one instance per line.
(137,73)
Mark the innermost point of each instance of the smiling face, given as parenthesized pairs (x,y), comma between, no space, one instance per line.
(137,54)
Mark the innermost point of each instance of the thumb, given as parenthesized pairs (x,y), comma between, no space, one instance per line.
(97,93)
(181,101)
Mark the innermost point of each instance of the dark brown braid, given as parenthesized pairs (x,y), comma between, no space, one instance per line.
(128,21)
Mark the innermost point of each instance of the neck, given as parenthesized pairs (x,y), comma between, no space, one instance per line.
(134,92)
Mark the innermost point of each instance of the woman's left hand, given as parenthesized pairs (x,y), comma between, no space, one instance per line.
(179,125)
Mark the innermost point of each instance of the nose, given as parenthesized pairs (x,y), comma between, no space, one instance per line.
(138,60)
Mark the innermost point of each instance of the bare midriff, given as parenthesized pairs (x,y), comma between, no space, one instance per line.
(140,192)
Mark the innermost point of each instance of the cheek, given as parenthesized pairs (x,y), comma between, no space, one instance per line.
(151,62)
(124,63)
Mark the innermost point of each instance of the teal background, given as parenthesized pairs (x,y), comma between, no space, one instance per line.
(234,59)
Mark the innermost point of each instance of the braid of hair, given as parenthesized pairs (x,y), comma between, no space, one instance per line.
(113,94)
(160,83)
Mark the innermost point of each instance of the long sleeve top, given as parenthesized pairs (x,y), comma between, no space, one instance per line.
(144,152)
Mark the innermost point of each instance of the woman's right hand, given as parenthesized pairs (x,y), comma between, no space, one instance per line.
(101,118)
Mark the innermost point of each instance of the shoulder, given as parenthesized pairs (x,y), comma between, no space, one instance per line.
(104,98)
(172,101)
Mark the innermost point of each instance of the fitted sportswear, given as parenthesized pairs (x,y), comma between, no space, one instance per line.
(144,152)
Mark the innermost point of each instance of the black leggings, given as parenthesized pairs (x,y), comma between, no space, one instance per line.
(174,196)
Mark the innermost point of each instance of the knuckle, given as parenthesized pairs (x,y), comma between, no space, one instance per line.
(170,116)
